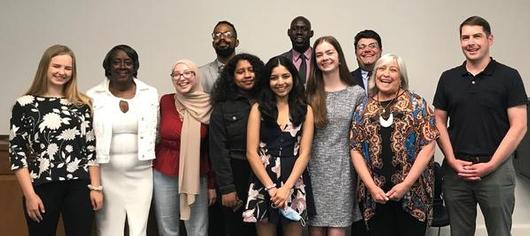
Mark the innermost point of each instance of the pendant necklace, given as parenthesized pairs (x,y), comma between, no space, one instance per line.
(390,120)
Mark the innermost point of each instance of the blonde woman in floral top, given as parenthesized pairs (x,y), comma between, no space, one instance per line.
(52,149)
(392,140)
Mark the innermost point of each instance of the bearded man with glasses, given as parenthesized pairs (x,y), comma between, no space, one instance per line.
(224,41)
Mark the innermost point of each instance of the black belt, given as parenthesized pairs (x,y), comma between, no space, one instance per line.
(474,159)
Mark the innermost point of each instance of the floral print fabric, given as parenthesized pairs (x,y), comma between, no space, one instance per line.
(413,127)
(278,150)
(51,137)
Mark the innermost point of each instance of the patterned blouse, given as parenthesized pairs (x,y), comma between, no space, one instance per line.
(413,127)
(52,137)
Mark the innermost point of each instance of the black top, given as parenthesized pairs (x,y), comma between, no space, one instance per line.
(228,138)
(477,106)
(53,138)
(279,143)
(388,168)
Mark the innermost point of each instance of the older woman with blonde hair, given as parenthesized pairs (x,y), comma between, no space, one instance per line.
(392,141)
(183,181)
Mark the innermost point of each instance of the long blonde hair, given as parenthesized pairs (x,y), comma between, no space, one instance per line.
(39,86)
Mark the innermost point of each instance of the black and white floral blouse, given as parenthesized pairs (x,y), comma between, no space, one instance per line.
(52,137)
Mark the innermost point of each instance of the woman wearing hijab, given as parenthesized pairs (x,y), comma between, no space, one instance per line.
(183,182)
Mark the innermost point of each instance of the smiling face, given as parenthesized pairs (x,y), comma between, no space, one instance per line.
(59,71)
(224,40)
(327,57)
(388,78)
(183,78)
(244,76)
(121,67)
(367,52)
(281,81)
(475,43)
(300,33)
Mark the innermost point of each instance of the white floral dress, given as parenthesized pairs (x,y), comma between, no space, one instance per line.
(278,150)
(52,137)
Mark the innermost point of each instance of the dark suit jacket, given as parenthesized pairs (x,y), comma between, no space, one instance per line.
(358,77)
(288,54)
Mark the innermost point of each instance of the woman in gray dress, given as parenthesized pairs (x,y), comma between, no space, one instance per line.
(333,94)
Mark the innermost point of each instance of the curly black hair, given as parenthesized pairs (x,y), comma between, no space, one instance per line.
(296,100)
(225,88)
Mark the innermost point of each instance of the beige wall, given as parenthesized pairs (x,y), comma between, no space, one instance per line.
(424,33)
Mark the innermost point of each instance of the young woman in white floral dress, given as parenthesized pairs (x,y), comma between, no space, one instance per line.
(279,136)
(51,149)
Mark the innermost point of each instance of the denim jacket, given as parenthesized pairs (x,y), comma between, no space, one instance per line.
(147,120)
(228,138)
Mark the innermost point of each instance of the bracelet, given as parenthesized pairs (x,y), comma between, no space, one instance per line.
(94,188)
(270,187)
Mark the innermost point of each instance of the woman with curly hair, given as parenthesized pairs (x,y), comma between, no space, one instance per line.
(233,95)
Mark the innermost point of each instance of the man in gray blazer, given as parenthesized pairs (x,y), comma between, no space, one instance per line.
(224,42)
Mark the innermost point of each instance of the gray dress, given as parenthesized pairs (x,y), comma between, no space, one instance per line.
(332,175)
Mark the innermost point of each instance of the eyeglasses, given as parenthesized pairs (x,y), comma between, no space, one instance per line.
(217,35)
(186,74)
(369,46)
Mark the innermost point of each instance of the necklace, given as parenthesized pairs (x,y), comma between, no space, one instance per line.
(390,120)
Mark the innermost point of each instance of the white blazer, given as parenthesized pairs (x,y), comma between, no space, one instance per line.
(147,97)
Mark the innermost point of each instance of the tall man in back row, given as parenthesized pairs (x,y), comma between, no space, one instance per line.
(485,102)
(224,42)
(300,34)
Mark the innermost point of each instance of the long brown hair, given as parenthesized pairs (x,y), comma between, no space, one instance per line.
(39,86)
(316,95)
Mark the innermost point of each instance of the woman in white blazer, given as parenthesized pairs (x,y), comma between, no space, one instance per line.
(125,122)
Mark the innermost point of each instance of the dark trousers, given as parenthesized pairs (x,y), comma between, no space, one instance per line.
(390,219)
(71,199)
(494,193)
(233,220)
(215,218)
(358,228)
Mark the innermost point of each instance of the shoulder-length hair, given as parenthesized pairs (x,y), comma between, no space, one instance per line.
(39,86)
(316,95)
(107,62)
(385,60)
(225,88)
(296,98)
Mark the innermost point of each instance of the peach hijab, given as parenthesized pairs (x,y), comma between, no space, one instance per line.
(197,110)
